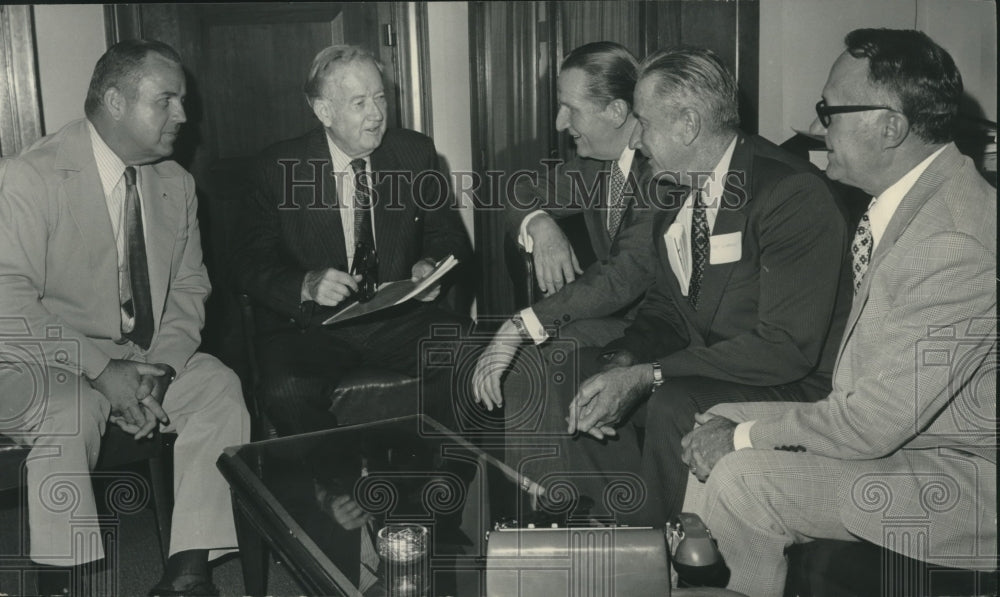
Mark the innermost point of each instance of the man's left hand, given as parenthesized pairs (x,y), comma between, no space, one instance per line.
(707,443)
(605,398)
(154,387)
(150,393)
(420,270)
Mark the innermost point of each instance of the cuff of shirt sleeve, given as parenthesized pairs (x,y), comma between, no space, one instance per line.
(535,328)
(523,238)
(741,437)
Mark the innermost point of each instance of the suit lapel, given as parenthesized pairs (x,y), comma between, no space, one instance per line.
(926,187)
(324,222)
(384,161)
(84,195)
(727,220)
(161,196)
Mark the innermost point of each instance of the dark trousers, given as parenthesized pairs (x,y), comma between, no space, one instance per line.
(300,368)
(637,477)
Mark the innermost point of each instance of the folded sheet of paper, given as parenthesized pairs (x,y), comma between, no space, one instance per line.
(395,293)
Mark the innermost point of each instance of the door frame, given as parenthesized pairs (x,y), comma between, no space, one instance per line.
(403,26)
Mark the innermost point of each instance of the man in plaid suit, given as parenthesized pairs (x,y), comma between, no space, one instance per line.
(903,451)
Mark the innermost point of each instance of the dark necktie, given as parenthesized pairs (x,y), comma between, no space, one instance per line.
(861,249)
(362,205)
(699,248)
(616,200)
(365,260)
(139,305)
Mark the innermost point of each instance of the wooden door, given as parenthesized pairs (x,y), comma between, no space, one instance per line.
(246,65)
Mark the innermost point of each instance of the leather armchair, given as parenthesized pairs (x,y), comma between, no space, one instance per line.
(363,396)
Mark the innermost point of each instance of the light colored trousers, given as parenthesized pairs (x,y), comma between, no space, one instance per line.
(206,409)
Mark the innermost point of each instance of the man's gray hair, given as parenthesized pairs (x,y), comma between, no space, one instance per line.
(690,77)
(324,62)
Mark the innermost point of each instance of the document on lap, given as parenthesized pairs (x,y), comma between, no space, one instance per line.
(395,293)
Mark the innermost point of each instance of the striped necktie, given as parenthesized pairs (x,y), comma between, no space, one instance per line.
(137,302)
(699,248)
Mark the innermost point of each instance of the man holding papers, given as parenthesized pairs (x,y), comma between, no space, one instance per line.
(335,213)
(749,301)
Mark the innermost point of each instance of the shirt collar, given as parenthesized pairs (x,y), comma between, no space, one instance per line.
(341,161)
(716,184)
(625,160)
(884,206)
(110,167)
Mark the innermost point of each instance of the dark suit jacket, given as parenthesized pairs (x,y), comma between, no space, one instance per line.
(293,222)
(624,268)
(773,317)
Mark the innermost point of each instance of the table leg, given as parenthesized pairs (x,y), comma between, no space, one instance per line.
(253,552)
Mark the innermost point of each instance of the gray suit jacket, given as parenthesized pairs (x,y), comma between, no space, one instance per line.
(624,267)
(913,406)
(59,265)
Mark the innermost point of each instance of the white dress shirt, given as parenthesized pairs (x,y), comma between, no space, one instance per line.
(344,175)
(678,235)
(111,171)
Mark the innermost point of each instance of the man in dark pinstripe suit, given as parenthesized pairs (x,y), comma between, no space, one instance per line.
(309,227)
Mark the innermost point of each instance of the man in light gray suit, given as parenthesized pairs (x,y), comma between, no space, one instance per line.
(101,268)
(902,453)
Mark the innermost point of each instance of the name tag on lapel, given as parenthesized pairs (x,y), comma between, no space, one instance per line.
(725,248)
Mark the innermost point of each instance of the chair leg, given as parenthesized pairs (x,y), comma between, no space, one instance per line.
(163,502)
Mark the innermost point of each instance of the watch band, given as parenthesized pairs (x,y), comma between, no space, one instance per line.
(657,374)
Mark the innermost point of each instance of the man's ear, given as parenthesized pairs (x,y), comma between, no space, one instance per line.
(689,122)
(895,129)
(321,108)
(618,111)
(115,103)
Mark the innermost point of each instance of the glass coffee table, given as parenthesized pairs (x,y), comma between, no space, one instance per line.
(319,501)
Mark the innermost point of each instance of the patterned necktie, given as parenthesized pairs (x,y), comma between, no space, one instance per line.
(362,205)
(699,248)
(138,303)
(365,261)
(861,248)
(616,200)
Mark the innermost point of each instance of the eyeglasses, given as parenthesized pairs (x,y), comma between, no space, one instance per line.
(365,264)
(824,112)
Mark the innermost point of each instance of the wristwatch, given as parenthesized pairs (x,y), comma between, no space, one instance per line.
(657,374)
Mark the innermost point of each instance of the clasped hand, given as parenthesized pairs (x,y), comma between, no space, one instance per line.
(708,442)
(135,391)
(604,399)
